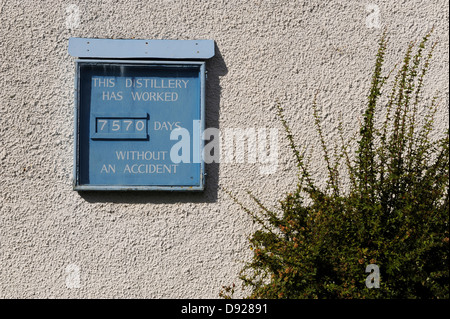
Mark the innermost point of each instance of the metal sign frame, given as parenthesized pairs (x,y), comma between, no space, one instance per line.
(79,186)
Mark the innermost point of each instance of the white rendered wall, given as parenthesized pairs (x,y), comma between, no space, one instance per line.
(57,243)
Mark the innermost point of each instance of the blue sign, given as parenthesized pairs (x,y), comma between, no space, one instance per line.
(126,115)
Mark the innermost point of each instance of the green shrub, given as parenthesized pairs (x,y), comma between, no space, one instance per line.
(393,212)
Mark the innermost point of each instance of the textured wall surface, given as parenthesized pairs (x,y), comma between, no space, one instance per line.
(164,245)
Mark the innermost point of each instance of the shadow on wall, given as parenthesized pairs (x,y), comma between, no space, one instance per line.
(216,68)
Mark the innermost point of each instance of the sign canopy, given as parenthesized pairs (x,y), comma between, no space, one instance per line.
(141,49)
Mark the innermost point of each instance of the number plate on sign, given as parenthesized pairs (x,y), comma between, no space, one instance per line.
(123,127)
